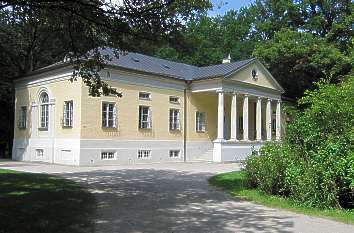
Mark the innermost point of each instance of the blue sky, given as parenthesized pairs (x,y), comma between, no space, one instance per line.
(227,5)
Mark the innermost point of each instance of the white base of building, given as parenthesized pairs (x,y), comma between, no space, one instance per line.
(87,152)
(234,151)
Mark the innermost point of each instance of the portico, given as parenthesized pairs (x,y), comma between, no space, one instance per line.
(260,127)
(246,134)
(248,111)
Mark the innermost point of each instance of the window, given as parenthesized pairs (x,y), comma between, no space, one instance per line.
(108,155)
(39,153)
(22,121)
(200,121)
(144,95)
(174,119)
(144,117)
(44,111)
(109,115)
(174,153)
(68,114)
(174,99)
(144,154)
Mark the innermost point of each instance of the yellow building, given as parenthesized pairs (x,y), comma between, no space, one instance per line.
(169,112)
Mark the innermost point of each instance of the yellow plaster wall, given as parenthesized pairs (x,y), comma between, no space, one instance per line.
(208,102)
(59,90)
(128,114)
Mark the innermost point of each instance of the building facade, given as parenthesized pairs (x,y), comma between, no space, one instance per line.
(168,112)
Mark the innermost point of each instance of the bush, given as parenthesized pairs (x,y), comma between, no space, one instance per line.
(315,163)
(267,172)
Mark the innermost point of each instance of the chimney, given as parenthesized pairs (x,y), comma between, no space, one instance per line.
(226,60)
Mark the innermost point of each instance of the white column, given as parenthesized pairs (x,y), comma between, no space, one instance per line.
(234,117)
(245,118)
(220,135)
(269,119)
(278,121)
(259,119)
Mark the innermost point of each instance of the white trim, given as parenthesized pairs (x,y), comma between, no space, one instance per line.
(115,118)
(271,78)
(45,78)
(134,78)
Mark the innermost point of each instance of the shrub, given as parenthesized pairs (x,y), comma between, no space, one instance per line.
(315,163)
(266,171)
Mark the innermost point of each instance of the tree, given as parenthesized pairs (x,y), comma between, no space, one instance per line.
(207,40)
(35,34)
(299,59)
(81,25)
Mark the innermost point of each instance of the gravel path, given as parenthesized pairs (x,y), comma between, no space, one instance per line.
(175,198)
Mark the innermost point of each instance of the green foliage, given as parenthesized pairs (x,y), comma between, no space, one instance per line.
(236,184)
(34,34)
(299,59)
(266,172)
(314,166)
(207,40)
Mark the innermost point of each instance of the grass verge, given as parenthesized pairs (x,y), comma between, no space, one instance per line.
(43,203)
(235,184)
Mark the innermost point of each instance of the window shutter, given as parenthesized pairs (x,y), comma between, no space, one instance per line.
(115,116)
(140,115)
(149,118)
(64,114)
(104,115)
(178,121)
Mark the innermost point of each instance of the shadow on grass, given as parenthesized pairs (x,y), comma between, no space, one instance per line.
(43,203)
(229,181)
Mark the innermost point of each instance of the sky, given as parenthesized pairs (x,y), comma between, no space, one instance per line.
(226,5)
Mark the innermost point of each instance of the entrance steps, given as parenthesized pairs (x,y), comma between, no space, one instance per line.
(206,156)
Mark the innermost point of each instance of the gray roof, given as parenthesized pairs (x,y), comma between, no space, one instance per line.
(144,63)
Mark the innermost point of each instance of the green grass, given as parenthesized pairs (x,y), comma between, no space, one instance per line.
(38,203)
(234,183)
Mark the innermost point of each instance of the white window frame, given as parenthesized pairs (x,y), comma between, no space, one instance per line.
(68,111)
(174,119)
(39,153)
(144,154)
(145,119)
(22,121)
(174,102)
(108,155)
(109,116)
(173,153)
(200,123)
(142,97)
(44,111)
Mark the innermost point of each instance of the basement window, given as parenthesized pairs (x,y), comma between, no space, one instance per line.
(144,154)
(39,153)
(108,155)
(175,153)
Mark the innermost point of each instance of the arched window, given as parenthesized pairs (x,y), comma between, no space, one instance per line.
(44,110)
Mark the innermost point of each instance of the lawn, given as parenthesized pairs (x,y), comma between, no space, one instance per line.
(38,203)
(234,183)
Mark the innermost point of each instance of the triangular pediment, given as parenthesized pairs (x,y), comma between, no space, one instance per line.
(262,78)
